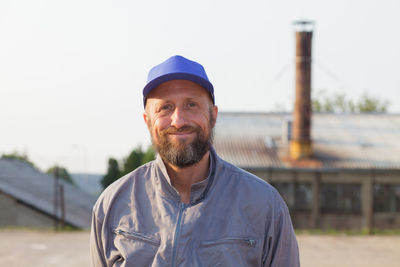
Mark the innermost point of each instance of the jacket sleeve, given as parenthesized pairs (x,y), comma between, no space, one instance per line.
(281,249)
(96,243)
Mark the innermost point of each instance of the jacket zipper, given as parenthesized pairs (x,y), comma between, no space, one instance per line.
(177,232)
(246,241)
(136,236)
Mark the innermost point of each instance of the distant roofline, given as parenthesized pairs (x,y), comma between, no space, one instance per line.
(321,169)
(314,113)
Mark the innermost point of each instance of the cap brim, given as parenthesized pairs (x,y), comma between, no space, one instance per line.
(177,76)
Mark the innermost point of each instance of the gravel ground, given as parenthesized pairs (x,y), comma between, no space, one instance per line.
(346,251)
(69,249)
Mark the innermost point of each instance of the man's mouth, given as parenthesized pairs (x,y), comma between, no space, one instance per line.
(187,130)
(181,134)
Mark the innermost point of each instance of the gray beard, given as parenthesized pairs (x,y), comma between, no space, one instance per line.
(184,155)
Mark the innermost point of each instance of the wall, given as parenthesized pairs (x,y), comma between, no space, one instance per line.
(16,214)
(353,189)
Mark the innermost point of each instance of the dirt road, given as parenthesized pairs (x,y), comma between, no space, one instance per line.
(69,249)
(349,251)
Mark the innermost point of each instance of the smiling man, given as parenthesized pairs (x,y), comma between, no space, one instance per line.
(189,207)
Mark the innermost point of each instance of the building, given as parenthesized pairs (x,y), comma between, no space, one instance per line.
(352,179)
(29,198)
(335,171)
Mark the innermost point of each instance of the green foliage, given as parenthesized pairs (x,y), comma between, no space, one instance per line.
(17,156)
(61,173)
(135,159)
(340,103)
(113,173)
(372,104)
(149,155)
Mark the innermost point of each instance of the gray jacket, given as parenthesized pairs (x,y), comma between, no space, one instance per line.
(233,219)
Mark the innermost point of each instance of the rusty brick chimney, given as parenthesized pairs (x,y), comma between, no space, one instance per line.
(301,143)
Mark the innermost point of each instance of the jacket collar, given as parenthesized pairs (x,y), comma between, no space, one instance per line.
(198,190)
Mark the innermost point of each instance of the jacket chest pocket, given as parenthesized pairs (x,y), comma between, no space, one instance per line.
(135,247)
(228,251)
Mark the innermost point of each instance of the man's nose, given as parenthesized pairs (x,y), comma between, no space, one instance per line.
(178,118)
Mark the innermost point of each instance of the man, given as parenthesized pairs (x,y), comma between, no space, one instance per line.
(189,207)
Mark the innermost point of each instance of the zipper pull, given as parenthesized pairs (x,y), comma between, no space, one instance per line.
(252,242)
(118,231)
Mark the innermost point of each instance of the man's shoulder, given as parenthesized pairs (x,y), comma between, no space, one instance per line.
(245,180)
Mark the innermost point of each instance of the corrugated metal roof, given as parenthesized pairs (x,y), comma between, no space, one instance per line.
(30,186)
(339,140)
(247,151)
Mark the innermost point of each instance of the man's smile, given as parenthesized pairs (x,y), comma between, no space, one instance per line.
(184,131)
(181,133)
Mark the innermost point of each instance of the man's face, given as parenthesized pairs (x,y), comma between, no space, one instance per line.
(180,117)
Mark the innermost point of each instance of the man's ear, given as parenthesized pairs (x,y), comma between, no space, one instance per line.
(214,110)
(146,118)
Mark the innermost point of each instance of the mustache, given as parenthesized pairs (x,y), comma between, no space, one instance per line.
(186,128)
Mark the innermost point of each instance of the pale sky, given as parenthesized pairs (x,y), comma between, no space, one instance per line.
(71,72)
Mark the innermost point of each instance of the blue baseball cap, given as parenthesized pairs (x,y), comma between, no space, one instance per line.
(177,68)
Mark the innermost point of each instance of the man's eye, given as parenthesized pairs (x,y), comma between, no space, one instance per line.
(166,107)
(192,105)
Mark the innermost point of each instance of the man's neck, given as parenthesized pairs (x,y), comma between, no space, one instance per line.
(183,178)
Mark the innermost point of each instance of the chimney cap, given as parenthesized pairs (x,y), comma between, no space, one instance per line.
(304,25)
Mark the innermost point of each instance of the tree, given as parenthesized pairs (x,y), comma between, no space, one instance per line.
(149,155)
(135,159)
(61,172)
(20,157)
(113,173)
(340,103)
(372,104)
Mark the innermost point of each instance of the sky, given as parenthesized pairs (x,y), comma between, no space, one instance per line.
(72,72)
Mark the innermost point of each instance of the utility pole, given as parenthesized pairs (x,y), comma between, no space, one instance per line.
(56,197)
